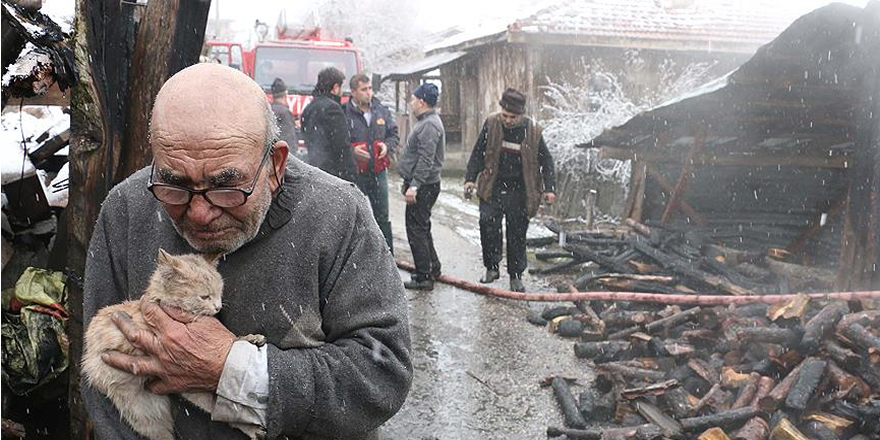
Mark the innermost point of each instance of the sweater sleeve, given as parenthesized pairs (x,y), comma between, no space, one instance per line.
(361,375)
(548,169)
(428,138)
(106,284)
(476,163)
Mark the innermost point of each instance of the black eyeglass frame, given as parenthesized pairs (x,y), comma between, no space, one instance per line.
(206,193)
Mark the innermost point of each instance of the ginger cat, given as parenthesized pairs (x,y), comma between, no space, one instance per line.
(189,282)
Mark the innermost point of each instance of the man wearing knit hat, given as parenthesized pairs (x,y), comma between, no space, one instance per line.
(420,167)
(284,117)
(512,170)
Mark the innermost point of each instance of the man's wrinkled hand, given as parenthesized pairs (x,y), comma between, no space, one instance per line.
(410,196)
(383,150)
(549,198)
(360,153)
(183,352)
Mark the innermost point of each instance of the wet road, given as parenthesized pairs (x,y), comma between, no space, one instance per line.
(477,361)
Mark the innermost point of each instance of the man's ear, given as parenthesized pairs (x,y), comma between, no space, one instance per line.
(279,161)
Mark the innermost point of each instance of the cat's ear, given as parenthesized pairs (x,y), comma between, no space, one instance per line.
(214,259)
(163,257)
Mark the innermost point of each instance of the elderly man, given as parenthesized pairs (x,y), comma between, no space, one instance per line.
(513,171)
(326,294)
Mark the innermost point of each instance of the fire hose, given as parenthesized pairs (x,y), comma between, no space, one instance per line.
(657,298)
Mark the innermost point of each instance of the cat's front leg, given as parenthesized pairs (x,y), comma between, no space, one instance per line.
(258,340)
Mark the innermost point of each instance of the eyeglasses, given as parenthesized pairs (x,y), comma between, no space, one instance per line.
(219,197)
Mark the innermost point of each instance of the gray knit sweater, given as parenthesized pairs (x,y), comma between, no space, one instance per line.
(318,281)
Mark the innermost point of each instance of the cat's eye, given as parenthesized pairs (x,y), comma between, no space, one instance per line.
(205,297)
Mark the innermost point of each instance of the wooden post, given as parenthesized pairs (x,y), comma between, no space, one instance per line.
(688,167)
(124,52)
(686,207)
(860,253)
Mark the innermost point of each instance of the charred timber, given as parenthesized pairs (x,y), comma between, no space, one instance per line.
(585,254)
(806,383)
(842,355)
(606,351)
(847,384)
(747,392)
(678,401)
(755,429)
(860,336)
(724,419)
(773,335)
(685,268)
(641,432)
(765,385)
(669,427)
(573,417)
(655,389)
(817,328)
(780,391)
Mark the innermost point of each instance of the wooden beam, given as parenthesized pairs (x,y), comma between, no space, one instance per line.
(755,160)
(686,170)
(637,192)
(686,207)
(860,253)
(799,243)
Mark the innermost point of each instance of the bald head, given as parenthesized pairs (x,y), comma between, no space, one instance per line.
(210,130)
(210,101)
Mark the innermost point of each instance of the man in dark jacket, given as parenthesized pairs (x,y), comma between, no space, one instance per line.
(513,171)
(325,129)
(373,137)
(283,116)
(304,265)
(420,167)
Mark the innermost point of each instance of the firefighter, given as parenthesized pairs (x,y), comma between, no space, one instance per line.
(373,137)
(283,115)
(512,170)
(325,129)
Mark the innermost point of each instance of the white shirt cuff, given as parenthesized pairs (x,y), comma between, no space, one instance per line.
(243,390)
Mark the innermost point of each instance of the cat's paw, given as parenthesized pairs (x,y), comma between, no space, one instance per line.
(258,340)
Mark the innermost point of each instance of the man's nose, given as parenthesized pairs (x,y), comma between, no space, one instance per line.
(201,212)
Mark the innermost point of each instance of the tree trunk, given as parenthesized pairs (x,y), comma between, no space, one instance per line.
(124,52)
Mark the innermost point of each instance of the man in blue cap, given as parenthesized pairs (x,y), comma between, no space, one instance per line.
(420,167)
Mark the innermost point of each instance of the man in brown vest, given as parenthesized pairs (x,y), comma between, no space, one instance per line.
(513,171)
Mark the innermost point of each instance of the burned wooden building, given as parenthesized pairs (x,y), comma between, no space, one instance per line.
(640,41)
(781,155)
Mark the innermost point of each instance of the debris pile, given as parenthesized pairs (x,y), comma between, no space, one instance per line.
(789,371)
(639,258)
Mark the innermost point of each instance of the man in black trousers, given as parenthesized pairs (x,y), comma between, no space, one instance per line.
(420,167)
(513,170)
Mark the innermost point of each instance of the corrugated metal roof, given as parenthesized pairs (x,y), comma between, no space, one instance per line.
(727,22)
(718,21)
(423,65)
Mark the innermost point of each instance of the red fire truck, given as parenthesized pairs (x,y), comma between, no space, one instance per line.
(296,56)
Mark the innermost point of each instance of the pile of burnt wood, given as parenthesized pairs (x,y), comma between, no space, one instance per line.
(796,370)
(639,258)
